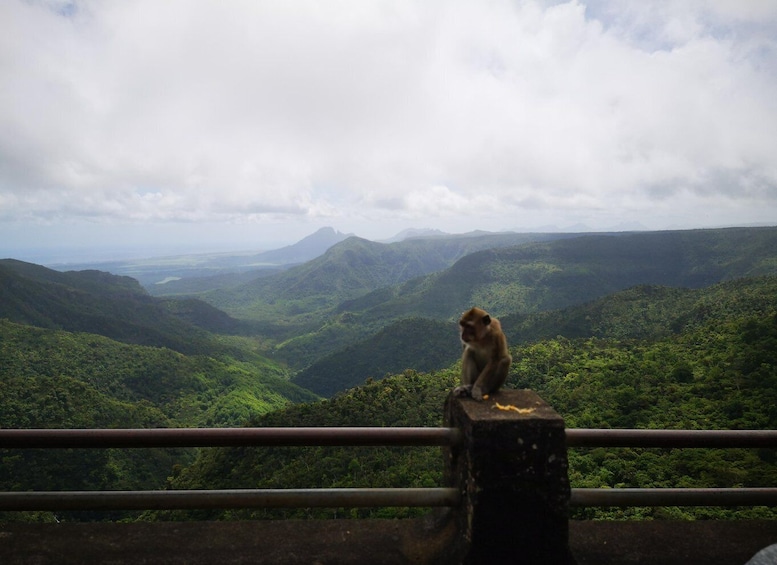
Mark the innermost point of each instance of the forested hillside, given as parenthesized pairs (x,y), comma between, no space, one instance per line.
(108,305)
(416,343)
(178,390)
(643,312)
(550,275)
(58,379)
(58,370)
(649,311)
(718,374)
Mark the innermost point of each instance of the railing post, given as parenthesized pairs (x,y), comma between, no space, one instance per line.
(512,471)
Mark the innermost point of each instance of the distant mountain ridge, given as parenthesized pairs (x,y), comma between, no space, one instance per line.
(156,273)
(354,268)
(432,249)
(548,275)
(410,233)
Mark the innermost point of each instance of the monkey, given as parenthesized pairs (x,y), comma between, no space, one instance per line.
(486,359)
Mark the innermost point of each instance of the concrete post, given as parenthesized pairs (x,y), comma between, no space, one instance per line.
(512,472)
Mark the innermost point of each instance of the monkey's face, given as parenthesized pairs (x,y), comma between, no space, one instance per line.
(467,332)
(474,325)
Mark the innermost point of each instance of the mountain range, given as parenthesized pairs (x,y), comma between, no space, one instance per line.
(90,348)
(358,288)
(357,294)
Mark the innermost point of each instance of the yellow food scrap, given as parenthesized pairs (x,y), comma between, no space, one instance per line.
(485,397)
(510,407)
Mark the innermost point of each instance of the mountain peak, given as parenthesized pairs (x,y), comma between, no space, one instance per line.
(411,233)
(305,249)
(326,233)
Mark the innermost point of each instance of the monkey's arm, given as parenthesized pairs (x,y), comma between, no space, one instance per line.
(493,376)
(469,368)
(469,374)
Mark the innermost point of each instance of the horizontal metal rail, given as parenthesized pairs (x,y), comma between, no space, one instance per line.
(582,437)
(361,436)
(226,437)
(625,497)
(363,498)
(622,497)
(236,498)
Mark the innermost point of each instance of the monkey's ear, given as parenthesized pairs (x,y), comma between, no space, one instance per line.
(486,320)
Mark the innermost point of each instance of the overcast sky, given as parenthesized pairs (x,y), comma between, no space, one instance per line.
(205,124)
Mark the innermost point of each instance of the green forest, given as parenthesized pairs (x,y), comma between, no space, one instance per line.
(659,330)
(714,376)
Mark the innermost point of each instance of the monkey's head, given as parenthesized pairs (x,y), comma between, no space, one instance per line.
(474,325)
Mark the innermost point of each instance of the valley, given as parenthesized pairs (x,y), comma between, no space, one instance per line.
(651,329)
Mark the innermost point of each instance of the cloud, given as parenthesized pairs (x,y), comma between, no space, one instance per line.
(198,110)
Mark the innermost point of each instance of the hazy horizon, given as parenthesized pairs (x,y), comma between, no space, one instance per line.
(62,256)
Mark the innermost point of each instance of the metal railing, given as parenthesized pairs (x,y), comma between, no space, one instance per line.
(227,437)
(228,498)
(623,497)
(586,437)
(400,497)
